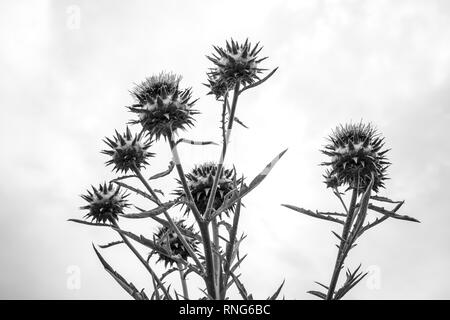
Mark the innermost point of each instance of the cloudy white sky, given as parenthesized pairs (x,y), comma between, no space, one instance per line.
(65,81)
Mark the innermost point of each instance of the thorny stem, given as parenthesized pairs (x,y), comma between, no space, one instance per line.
(213,191)
(183,281)
(169,219)
(203,224)
(144,262)
(216,260)
(343,246)
(214,224)
(230,247)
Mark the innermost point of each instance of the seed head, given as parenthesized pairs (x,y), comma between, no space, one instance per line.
(218,87)
(168,239)
(356,152)
(200,182)
(105,203)
(235,62)
(331,179)
(162,107)
(127,151)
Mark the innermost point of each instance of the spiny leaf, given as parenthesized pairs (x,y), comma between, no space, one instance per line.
(322,285)
(196,143)
(164,173)
(151,213)
(240,122)
(337,236)
(123,177)
(257,83)
(232,197)
(165,274)
(91,223)
(353,278)
(319,294)
(136,190)
(240,286)
(237,264)
(127,286)
(275,295)
(379,220)
(384,199)
(392,214)
(111,244)
(312,214)
(146,242)
(331,213)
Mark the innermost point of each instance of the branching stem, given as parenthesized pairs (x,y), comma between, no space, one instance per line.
(342,252)
(169,219)
(183,281)
(202,224)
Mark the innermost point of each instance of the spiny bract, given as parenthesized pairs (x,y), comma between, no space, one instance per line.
(127,151)
(105,203)
(169,240)
(200,181)
(356,153)
(235,62)
(162,107)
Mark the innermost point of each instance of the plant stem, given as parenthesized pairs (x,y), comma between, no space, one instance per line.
(216,260)
(213,191)
(230,247)
(342,252)
(169,219)
(202,224)
(143,261)
(183,282)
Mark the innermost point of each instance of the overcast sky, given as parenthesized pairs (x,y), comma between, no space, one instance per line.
(65,79)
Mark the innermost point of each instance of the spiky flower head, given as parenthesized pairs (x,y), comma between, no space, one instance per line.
(105,203)
(217,86)
(200,182)
(163,108)
(331,179)
(169,240)
(127,151)
(235,62)
(356,152)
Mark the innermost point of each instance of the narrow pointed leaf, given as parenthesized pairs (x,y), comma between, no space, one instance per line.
(164,173)
(312,214)
(111,244)
(127,286)
(275,295)
(318,294)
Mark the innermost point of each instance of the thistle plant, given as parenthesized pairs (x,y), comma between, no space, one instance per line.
(206,243)
(357,163)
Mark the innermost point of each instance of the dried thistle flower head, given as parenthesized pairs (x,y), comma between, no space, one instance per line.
(105,203)
(356,152)
(127,151)
(331,179)
(200,181)
(169,240)
(235,62)
(162,107)
(217,86)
